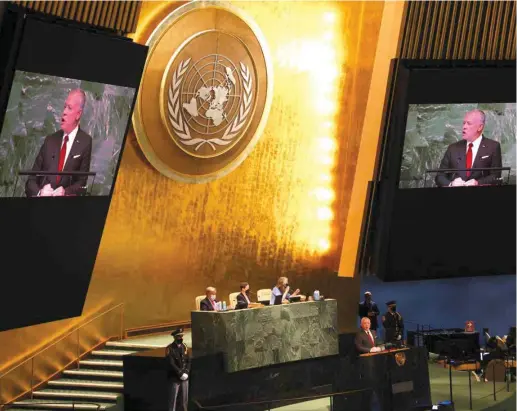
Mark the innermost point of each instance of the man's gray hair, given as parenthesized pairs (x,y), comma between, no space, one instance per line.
(82,94)
(481,114)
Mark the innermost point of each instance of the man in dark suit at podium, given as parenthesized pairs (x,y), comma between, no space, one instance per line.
(473,151)
(68,149)
(365,338)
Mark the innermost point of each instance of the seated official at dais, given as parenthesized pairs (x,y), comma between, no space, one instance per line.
(280,293)
(210,302)
(243,300)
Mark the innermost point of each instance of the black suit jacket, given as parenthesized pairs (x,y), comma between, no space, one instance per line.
(488,155)
(241,302)
(206,305)
(364,308)
(178,361)
(363,344)
(48,160)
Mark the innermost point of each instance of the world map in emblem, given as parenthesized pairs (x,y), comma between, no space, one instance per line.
(209,101)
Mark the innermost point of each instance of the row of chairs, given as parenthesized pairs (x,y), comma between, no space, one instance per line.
(262,295)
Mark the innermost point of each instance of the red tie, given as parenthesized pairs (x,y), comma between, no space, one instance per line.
(469,158)
(62,155)
(371,337)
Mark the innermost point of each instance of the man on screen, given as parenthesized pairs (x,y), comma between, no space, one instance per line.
(68,149)
(473,151)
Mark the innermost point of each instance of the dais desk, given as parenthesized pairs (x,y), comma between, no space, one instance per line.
(259,337)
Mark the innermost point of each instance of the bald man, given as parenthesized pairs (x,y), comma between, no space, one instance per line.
(473,151)
(68,149)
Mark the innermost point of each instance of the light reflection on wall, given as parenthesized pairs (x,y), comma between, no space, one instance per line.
(320,58)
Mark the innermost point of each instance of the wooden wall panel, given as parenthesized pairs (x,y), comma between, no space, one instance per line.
(121,16)
(467,30)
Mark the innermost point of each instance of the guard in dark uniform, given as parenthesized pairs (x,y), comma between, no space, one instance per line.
(393,324)
(179,372)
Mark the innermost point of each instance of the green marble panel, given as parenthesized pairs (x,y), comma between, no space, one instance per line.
(264,336)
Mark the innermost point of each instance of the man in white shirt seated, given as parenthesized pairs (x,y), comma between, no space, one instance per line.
(280,293)
(365,338)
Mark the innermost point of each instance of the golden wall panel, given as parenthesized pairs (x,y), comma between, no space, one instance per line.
(387,48)
(282,212)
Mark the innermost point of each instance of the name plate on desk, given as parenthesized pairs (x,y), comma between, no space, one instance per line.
(266,336)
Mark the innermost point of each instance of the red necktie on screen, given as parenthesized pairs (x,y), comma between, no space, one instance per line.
(62,155)
(469,158)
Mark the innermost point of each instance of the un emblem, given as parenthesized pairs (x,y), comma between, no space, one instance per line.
(209,103)
(400,358)
(214,92)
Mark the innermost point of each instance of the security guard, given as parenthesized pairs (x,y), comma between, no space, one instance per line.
(393,324)
(179,371)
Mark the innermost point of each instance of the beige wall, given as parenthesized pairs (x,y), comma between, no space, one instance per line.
(164,242)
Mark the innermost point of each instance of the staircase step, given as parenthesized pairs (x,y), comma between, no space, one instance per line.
(87,372)
(101,363)
(111,353)
(59,405)
(127,344)
(82,395)
(65,382)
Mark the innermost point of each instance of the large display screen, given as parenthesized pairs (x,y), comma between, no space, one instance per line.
(62,125)
(67,91)
(438,137)
(434,195)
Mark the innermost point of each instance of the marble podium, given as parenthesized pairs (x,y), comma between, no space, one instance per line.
(266,336)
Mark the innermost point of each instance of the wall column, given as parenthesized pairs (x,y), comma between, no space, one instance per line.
(387,48)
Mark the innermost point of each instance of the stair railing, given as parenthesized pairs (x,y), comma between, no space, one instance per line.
(46,404)
(67,350)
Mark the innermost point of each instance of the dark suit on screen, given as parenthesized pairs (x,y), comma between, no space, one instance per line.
(206,305)
(242,303)
(363,344)
(488,155)
(47,159)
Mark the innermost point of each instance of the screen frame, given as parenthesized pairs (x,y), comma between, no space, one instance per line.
(29,25)
(414,85)
(52,243)
(408,80)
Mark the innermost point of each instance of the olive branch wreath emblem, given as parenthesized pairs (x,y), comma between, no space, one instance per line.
(181,127)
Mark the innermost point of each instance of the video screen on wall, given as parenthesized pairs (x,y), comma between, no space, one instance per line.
(459,145)
(62,136)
